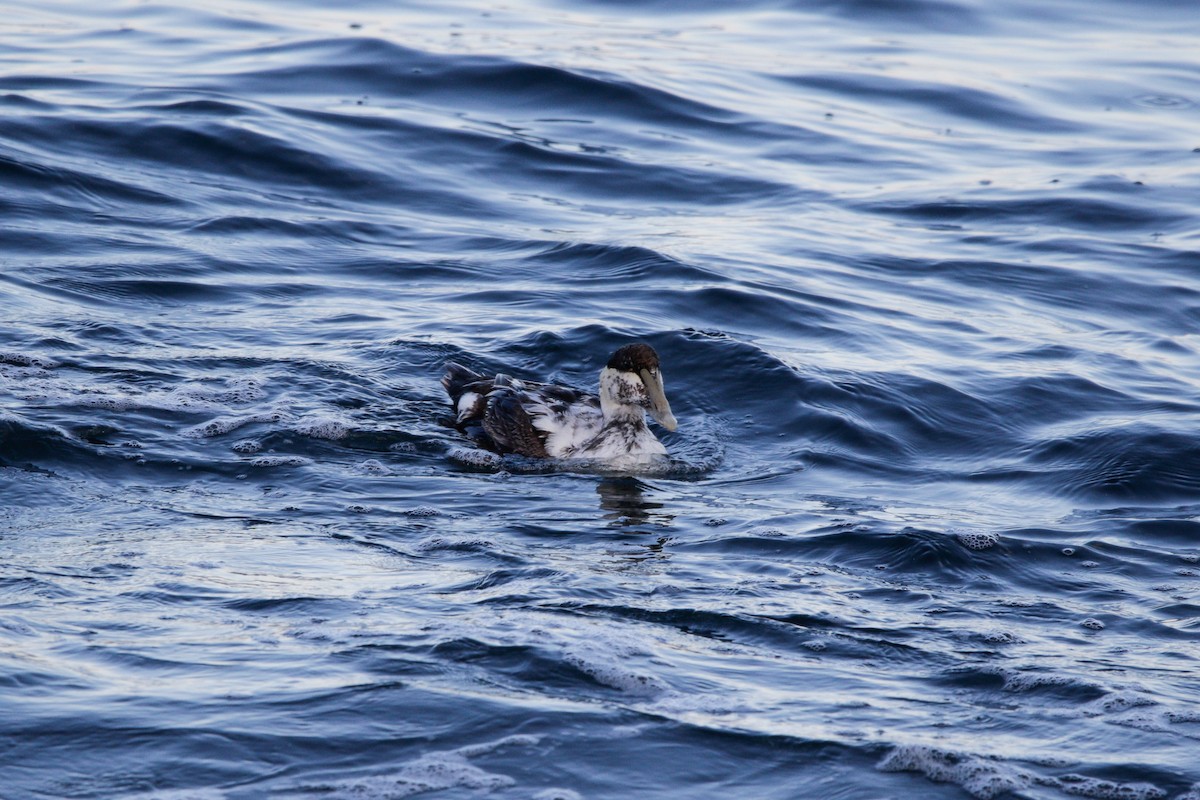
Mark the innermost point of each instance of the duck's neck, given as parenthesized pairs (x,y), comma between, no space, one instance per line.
(618,397)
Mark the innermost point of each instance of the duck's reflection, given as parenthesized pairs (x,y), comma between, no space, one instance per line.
(623,501)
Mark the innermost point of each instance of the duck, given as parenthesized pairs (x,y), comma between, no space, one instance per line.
(542,420)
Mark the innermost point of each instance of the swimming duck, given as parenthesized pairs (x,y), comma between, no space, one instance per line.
(541,420)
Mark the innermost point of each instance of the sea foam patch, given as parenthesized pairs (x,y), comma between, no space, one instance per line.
(433,772)
(987,777)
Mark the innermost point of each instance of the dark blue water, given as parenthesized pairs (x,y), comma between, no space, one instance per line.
(925,280)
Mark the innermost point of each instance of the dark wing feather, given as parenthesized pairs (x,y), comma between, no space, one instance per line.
(493,411)
(509,426)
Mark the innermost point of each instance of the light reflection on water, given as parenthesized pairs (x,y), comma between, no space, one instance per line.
(923,279)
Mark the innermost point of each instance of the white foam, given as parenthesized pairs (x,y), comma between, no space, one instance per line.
(374,466)
(986,777)
(1177,717)
(280,461)
(1091,623)
(1030,681)
(977,540)
(1081,786)
(214,427)
(1026,679)
(178,794)
(223,425)
(105,402)
(323,428)
(247,446)
(24,360)
(434,543)
(237,392)
(981,777)
(483,748)
(474,457)
(1191,794)
(609,665)
(431,772)
(1118,702)
(423,511)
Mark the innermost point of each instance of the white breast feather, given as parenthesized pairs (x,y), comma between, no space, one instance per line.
(466,404)
(568,430)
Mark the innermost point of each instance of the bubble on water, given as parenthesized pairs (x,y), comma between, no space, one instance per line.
(432,772)
(103,402)
(214,427)
(1089,564)
(374,466)
(423,511)
(435,772)
(280,461)
(986,777)
(223,425)
(1118,702)
(1068,551)
(236,392)
(1091,623)
(977,540)
(980,777)
(483,748)
(178,794)
(324,428)
(1031,681)
(435,543)
(474,457)
(1001,637)
(609,664)
(1082,786)
(10,358)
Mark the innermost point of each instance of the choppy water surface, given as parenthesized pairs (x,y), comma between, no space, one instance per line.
(925,279)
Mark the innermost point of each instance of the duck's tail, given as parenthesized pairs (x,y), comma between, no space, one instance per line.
(457,380)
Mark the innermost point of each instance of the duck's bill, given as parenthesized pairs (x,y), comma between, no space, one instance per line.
(660,409)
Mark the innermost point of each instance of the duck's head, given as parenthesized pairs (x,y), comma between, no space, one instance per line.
(632,379)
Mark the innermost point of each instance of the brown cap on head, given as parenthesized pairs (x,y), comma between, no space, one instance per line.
(634,358)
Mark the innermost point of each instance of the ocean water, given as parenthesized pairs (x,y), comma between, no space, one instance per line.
(925,280)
